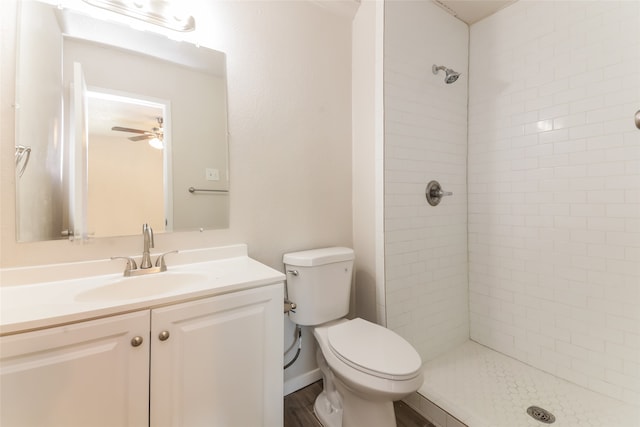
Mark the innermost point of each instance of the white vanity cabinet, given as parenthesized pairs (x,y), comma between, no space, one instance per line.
(84,374)
(218,361)
(214,361)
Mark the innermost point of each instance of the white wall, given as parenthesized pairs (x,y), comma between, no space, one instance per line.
(125,190)
(289,88)
(425,139)
(554,189)
(289,122)
(368,152)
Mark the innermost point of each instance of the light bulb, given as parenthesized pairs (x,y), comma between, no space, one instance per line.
(156,143)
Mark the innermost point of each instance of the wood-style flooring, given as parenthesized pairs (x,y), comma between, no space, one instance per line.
(298,410)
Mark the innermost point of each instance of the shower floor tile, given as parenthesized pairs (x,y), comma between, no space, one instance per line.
(484,388)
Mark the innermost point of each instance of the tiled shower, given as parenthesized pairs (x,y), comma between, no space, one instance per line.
(537,253)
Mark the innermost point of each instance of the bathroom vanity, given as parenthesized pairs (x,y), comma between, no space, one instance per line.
(200,344)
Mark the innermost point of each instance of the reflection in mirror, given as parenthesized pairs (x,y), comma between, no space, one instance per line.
(104,178)
(136,180)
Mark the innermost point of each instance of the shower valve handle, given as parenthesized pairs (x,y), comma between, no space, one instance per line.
(435,194)
(441,193)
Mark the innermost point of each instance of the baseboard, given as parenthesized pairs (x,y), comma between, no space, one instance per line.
(301,381)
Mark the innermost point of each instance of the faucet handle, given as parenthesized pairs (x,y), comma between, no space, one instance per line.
(131,263)
(160,260)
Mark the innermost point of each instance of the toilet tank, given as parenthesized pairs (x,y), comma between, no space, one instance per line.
(319,282)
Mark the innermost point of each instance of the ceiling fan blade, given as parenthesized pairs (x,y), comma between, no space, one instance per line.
(141,138)
(121,129)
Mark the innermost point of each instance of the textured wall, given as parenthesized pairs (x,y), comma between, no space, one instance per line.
(368,152)
(554,214)
(425,139)
(289,88)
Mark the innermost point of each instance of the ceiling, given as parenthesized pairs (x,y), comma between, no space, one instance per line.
(104,113)
(471,11)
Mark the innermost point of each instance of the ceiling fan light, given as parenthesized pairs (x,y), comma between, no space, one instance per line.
(156,143)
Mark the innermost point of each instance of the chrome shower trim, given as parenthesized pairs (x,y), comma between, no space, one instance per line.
(435,68)
(451,75)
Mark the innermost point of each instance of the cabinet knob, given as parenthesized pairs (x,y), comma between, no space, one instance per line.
(136,341)
(163,336)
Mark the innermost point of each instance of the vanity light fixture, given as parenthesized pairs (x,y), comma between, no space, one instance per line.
(157,12)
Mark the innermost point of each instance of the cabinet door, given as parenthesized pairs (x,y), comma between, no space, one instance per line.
(84,374)
(221,365)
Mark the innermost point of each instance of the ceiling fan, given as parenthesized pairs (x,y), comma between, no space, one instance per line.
(145,135)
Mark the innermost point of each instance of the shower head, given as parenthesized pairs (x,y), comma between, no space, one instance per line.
(450,77)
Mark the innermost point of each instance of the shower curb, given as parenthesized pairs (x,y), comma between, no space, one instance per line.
(432,412)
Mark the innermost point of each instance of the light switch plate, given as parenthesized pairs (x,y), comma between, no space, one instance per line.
(212,174)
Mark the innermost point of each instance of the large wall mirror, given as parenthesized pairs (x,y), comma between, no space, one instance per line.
(116,127)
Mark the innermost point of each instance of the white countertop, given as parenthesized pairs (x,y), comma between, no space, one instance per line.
(45,296)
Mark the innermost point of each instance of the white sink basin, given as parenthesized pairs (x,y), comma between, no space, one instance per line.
(43,296)
(126,288)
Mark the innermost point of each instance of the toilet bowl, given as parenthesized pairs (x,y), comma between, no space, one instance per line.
(365,367)
(369,367)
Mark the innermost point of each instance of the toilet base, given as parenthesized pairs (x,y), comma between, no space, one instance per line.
(359,412)
(328,405)
(340,406)
(328,415)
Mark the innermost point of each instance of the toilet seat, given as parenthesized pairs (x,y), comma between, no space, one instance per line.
(373,349)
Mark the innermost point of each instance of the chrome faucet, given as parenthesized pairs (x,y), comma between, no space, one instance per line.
(146,265)
(147,235)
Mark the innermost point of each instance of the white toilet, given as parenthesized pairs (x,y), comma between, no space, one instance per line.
(365,367)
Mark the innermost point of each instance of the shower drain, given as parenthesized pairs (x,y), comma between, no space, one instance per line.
(541,415)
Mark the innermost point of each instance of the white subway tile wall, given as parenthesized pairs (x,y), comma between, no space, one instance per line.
(554,190)
(425,139)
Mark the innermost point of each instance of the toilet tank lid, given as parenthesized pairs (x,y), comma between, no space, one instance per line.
(320,256)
